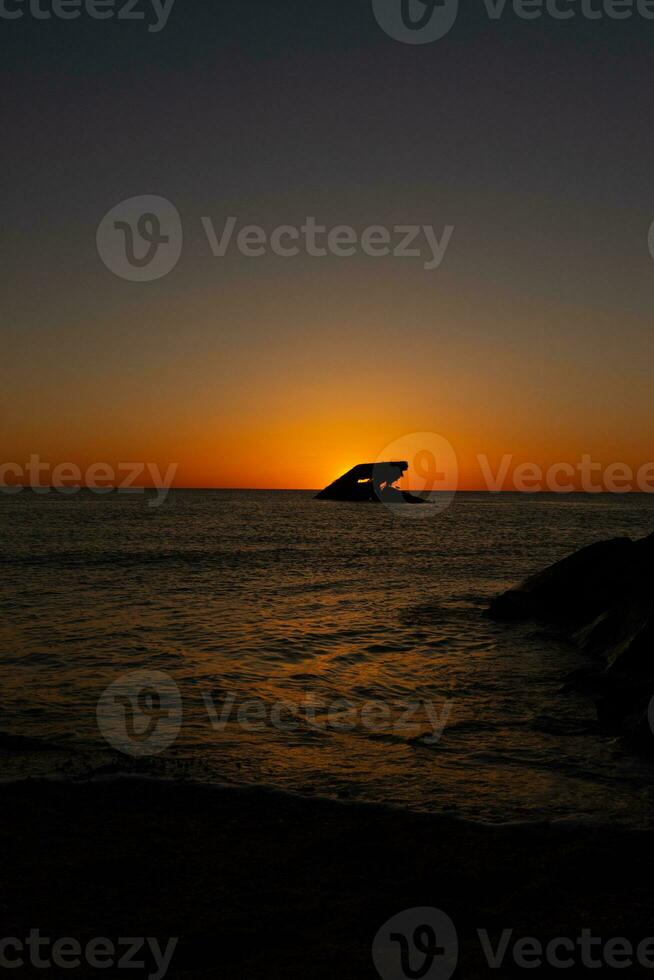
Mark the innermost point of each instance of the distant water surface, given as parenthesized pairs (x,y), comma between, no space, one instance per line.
(335,620)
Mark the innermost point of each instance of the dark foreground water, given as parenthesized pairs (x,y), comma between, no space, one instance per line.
(323,648)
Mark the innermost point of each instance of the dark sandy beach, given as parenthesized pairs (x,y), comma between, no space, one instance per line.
(258,884)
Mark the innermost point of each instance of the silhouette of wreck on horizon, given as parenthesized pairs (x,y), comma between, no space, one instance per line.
(373,483)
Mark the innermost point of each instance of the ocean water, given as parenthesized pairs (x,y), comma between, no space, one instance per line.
(321,648)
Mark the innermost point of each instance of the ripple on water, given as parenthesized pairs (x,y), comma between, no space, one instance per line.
(272,597)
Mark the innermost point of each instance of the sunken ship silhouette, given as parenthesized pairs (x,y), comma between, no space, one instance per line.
(371,482)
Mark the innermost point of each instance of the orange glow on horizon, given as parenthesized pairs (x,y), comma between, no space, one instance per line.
(307,458)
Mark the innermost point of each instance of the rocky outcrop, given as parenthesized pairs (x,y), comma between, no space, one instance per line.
(602,599)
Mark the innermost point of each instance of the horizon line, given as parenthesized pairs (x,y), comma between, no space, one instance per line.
(70,491)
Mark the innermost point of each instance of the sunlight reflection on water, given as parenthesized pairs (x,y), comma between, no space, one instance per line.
(280,598)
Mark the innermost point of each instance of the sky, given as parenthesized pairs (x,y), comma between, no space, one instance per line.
(531,139)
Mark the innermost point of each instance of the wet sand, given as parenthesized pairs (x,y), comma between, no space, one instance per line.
(260,884)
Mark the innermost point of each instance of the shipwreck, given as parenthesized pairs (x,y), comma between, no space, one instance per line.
(371,482)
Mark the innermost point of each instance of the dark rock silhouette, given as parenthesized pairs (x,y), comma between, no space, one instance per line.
(602,599)
(373,482)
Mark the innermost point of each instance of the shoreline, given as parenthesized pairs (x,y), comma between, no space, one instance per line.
(54,760)
(270,790)
(260,883)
